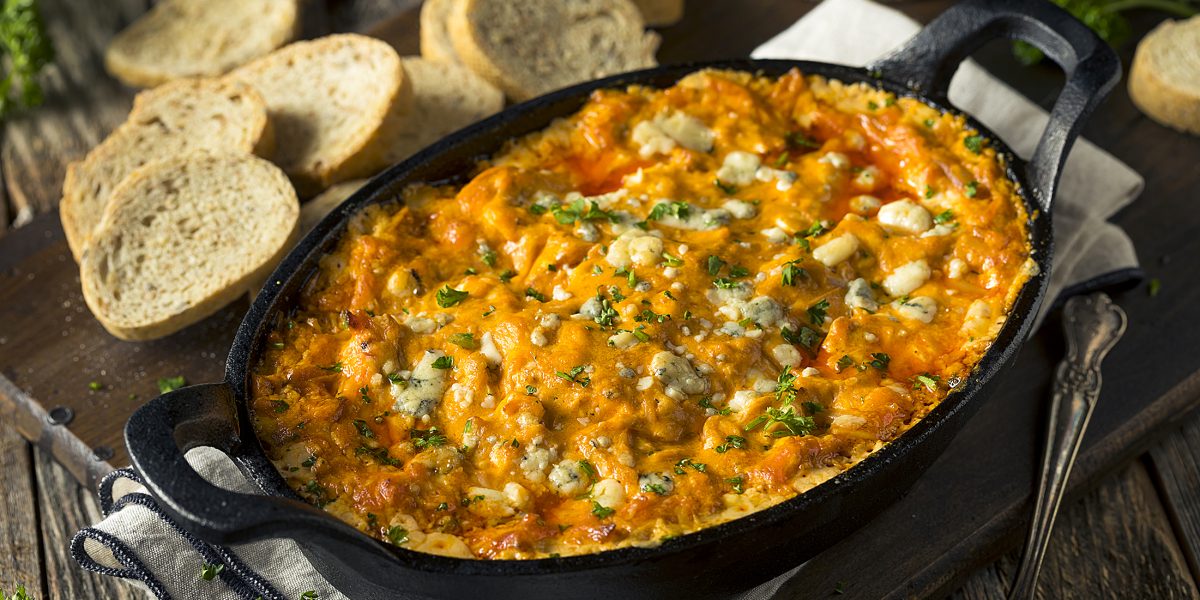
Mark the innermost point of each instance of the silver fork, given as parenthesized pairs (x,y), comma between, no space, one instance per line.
(1092,324)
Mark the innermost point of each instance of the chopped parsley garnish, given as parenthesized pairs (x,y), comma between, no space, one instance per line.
(309,462)
(443,362)
(929,382)
(280,406)
(738,484)
(395,378)
(731,441)
(362,392)
(792,273)
(530,390)
(805,336)
(649,316)
(427,438)
(679,210)
(491,309)
(725,283)
(209,572)
(879,360)
(683,464)
(728,188)
(601,511)
(334,368)
(364,429)
(944,217)
(448,296)
(537,209)
(714,265)
(782,160)
(170,384)
(929,122)
(607,317)
(812,407)
(397,535)
(574,375)
(784,392)
(640,333)
(793,424)
(706,403)
(972,189)
(588,470)
(95,386)
(817,228)
(845,362)
(507,275)
(672,261)
(536,295)
(797,139)
(737,271)
(974,143)
(581,210)
(657,488)
(489,257)
(929,192)
(312,594)
(872,105)
(816,312)
(465,340)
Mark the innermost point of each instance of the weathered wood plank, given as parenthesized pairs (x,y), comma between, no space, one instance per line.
(1117,542)
(65,508)
(1175,466)
(19,562)
(81,103)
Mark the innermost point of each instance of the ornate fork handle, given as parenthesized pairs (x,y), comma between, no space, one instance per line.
(1092,324)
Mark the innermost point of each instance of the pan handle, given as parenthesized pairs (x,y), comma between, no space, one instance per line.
(159,434)
(928,61)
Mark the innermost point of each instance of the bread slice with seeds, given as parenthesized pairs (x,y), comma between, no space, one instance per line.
(184,236)
(186,38)
(179,117)
(577,41)
(328,99)
(446,97)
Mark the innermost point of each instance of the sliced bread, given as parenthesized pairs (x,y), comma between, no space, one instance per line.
(184,236)
(328,100)
(435,38)
(577,41)
(660,13)
(1164,80)
(182,116)
(186,38)
(445,97)
(314,210)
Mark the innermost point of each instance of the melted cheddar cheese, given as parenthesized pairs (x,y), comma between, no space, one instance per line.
(671,309)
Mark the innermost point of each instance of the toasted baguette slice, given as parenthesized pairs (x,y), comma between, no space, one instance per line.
(184,236)
(660,13)
(186,38)
(435,38)
(182,116)
(1164,80)
(446,97)
(328,99)
(578,40)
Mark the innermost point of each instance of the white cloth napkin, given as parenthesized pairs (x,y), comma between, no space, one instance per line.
(135,540)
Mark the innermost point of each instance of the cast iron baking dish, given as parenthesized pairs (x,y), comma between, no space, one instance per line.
(718,560)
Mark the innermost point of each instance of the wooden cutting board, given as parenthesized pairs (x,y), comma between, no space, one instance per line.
(968,508)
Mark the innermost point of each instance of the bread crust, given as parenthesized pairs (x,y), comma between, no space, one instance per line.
(434,35)
(274,187)
(1154,92)
(131,57)
(80,210)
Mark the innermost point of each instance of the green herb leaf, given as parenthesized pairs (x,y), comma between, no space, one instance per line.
(944,217)
(448,296)
(738,484)
(334,368)
(601,511)
(929,382)
(397,535)
(714,265)
(880,361)
(728,188)
(792,273)
(972,189)
(679,210)
(817,312)
(427,438)
(23,38)
(465,340)
(731,441)
(171,384)
(443,362)
(209,572)
(974,143)
(536,295)
(575,375)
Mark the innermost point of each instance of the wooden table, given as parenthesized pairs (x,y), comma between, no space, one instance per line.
(1135,534)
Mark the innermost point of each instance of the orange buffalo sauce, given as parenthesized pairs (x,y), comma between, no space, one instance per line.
(671,309)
